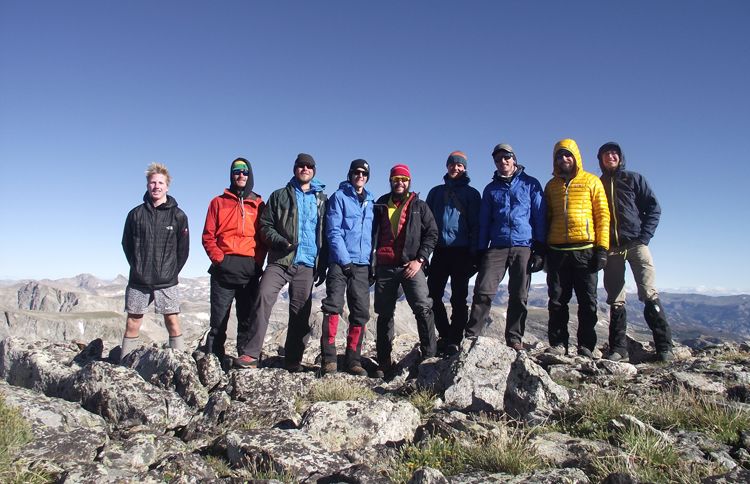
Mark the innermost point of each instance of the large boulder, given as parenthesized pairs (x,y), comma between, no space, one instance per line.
(486,375)
(122,397)
(40,366)
(170,370)
(285,451)
(362,423)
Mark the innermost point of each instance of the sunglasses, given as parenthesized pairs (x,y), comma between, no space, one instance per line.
(403,179)
(304,165)
(562,154)
(241,172)
(363,174)
(505,156)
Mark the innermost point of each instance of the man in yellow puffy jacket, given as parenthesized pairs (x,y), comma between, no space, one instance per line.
(578,239)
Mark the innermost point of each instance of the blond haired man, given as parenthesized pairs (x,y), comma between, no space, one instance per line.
(156,244)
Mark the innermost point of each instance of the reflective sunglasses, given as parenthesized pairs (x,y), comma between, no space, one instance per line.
(361,173)
(505,156)
(241,172)
(403,179)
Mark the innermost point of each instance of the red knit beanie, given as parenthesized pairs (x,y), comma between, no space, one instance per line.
(400,170)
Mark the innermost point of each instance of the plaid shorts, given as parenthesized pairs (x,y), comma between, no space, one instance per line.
(138,299)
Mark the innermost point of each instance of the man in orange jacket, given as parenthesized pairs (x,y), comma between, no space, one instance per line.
(232,241)
(578,239)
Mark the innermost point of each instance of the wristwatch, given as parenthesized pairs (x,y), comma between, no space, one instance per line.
(421,260)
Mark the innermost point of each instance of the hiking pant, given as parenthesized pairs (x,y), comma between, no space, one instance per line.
(453,263)
(222,295)
(357,291)
(389,278)
(569,270)
(638,256)
(495,263)
(275,277)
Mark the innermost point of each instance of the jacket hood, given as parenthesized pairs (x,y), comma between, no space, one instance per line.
(171,202)
(242,192)
(348,188)
(499,178)
(315,184)
(606,147)
(458,182)
(572,146)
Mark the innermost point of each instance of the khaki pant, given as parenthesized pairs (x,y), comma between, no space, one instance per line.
(644,272)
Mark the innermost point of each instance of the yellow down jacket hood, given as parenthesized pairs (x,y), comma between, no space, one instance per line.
(577,210)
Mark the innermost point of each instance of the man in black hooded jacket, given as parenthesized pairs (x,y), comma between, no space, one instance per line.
(635,216)
(156,243)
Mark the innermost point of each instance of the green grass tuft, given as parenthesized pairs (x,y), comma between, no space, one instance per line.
(15,432)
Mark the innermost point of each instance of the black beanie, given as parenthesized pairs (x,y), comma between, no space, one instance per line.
(305,159)
(359,164)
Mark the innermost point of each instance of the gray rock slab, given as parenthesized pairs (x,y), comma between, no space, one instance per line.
(362,423)
(290,451)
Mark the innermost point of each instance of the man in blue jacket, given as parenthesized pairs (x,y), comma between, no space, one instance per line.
(512,235)
(156,244)
(455,205)
(349,234)
(635,216)
(292,228)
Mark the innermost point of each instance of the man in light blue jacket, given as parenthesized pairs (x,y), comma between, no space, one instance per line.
(512,235)
(349,234)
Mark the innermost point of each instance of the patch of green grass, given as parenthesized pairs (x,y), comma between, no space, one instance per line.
(589,417)
(256,422)
(15,432)
(334,390)
(510,452)
(219,465)
(649,458)
(424,400)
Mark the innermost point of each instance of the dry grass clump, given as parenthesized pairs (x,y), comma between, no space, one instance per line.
(424,400)
(335,390)
(14,432)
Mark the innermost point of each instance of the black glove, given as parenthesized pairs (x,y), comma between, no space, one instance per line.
(290,247)
(321,277)
(600,258)
(536,262)
(371,275)
(346,269)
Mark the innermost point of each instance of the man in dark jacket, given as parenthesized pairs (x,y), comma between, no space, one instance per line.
(455,206)
(292,226)
(232,241)
(512,236)
(405,235)
(349,234)
(635,216)
(156,243)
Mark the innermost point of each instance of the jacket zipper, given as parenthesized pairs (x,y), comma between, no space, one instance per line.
(612,211)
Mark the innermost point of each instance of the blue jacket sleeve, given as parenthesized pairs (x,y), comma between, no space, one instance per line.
(338,253)
(538,213)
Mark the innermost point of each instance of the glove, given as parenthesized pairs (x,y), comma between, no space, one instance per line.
(291,247)
(536,262)
(600,259)
(321,277)
(346,269)
(371,275)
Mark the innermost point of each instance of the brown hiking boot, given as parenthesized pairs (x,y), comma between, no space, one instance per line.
(329,368)
(356,369)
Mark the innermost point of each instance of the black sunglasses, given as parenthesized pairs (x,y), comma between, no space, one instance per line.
(241,172)
(304,165)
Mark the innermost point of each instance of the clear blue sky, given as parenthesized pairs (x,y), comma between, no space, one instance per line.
(91,92)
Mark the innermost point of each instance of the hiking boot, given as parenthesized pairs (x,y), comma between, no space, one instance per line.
(618,357)
(518,346)
(585,352)
(246,361)
(664,356)
(293,366)
(329,368)
(356,369)
(451,350)
(557,350)
(384,371)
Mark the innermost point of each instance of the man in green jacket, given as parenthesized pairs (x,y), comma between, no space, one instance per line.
(292,228)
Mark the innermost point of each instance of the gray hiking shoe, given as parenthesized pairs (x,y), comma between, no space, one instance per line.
(665,356)
(618,357)
(557,350)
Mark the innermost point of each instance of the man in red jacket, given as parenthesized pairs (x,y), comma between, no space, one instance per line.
(231,237)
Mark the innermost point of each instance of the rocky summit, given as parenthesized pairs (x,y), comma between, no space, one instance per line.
(485,414)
